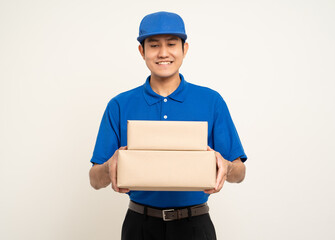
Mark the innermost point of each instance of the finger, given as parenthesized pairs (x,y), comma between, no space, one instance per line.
(114,170)
(110,173)
(221,184)
(209,191)
(224,178)
(221,181)
(113,173)
(209,148)
(123,190)
(115,188)
(220,173)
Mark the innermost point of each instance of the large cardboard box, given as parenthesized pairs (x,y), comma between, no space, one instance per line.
(166,170)
(167,135)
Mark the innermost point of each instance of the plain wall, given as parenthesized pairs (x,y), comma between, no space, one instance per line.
(272,61)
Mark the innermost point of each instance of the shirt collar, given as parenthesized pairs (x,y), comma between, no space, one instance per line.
(178,95)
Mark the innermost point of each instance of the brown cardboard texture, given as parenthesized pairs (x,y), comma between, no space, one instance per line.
(166,170)
(167,135)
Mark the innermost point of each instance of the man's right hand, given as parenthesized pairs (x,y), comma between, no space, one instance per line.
(101,175)
(111,165)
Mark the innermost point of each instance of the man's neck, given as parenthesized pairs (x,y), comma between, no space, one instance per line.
(164,86)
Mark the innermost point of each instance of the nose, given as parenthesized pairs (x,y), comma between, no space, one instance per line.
(163,51)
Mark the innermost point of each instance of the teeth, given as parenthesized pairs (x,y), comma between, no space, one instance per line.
(164,63)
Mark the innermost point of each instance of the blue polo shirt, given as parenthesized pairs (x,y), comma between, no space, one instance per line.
(189,102)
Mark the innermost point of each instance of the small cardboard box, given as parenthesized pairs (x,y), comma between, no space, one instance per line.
(167,135)
(166,170)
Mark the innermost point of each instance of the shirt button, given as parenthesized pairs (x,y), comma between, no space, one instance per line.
(165,100)
(165,117)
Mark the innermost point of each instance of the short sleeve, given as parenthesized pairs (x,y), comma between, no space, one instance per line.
(226,139)
(108,139)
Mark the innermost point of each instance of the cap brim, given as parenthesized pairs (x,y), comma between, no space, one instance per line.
(141,38)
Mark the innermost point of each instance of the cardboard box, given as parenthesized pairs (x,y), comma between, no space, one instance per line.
(167,135)
(166,170)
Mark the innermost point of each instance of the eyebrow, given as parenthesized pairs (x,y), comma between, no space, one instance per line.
(152,40)
(156,40)
(172,38)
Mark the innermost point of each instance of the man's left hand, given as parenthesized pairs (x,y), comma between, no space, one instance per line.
(224,167)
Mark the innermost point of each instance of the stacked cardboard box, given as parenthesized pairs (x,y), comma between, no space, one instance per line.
(166,156)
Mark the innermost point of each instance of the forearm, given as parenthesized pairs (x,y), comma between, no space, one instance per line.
(99,176)
(237,173)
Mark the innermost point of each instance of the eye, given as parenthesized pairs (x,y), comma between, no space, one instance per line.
(172,44)
(154,45)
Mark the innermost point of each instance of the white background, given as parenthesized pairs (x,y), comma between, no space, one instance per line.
(272,61)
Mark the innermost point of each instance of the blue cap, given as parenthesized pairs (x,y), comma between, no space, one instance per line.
(161,23)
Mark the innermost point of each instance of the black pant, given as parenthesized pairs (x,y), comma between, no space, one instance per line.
(137,226)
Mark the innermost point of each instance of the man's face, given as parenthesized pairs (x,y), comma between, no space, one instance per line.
(163,54)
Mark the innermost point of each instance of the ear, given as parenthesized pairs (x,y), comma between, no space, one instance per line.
(185,48)
(140,49)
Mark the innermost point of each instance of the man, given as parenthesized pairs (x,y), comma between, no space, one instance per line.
(167,96)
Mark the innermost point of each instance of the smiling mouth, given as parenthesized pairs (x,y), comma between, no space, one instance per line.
(164,63)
